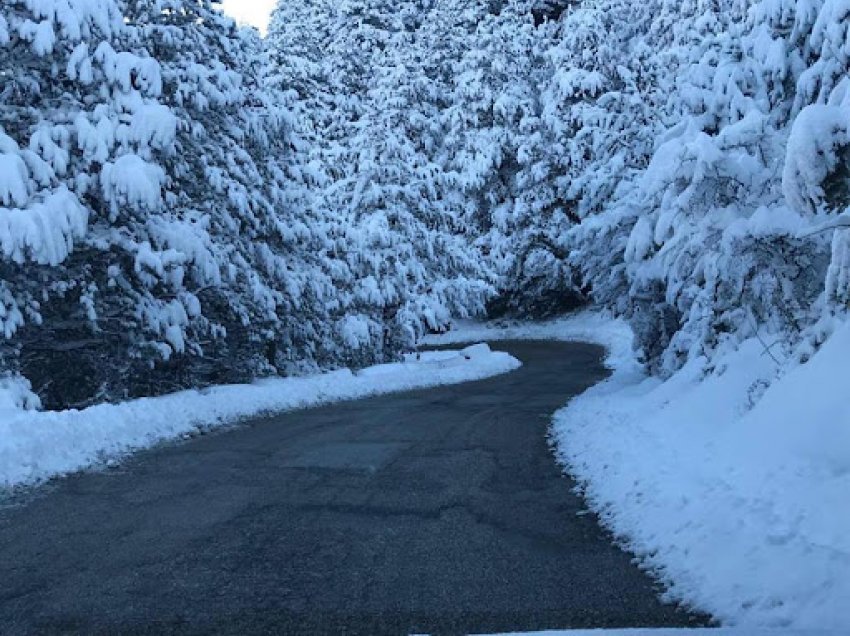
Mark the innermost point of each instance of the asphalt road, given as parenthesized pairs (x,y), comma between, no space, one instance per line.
(438,511)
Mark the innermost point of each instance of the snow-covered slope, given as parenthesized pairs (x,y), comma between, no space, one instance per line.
(736,493)
(35,446)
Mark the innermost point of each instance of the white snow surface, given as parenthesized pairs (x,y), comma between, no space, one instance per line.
(731,484)
(35,446)
(588,326)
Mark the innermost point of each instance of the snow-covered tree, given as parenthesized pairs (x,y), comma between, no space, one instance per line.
(183,203)
(154,240)
(416,253)
(236,228)
(82,134)
(691,237)
(492,133)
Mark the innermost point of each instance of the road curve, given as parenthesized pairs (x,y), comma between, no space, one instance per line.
(435,511)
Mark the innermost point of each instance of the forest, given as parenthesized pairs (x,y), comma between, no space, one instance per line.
(185,203)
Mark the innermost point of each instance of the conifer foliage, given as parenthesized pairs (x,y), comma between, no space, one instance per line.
(183,203)
(180,207)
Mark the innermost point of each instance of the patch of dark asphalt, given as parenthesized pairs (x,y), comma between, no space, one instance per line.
(438,511)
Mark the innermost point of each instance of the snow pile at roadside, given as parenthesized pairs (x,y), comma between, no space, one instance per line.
(35,446)
(588,326)
(734,487)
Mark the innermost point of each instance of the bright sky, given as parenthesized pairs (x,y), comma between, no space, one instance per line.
(253,12)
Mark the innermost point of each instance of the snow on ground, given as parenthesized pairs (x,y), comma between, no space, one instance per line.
(615,335)
(733,487)
(35,446)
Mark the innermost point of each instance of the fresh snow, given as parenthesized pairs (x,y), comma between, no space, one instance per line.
(587,326)
(35,446)
(730,483)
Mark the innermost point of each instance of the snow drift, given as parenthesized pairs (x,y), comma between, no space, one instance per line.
(733,486)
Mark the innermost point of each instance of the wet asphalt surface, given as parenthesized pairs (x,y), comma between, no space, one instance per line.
(438,511)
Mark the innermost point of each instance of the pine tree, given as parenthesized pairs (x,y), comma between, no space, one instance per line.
(250,281)
(492,124)
(83,131)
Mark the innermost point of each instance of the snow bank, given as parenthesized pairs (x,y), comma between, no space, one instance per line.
(588,326)
(35,446)
(731,485)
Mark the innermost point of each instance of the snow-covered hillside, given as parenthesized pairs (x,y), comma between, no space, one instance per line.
(732,487)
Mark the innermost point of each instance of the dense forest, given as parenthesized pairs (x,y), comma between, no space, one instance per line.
(185,203)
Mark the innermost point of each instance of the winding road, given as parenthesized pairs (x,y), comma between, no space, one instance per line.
(438,511)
